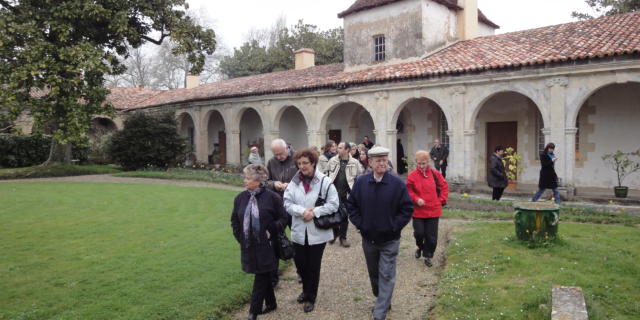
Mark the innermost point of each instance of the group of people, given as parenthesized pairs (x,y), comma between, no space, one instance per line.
(379,204)
(497,175)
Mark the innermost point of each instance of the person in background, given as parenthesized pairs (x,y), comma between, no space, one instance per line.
(309,241)
(380,207)
(343,170)
(548,177)
(258,215)
(364,161)
(400,158)
(429,191)
(254,156)
(367,143)
(439,154)
(497,178)
(281,169)
(330,150)
(355,153)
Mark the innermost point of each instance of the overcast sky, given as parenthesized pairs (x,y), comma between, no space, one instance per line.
(233,19)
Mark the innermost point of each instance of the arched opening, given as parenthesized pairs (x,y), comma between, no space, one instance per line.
(349,122)
(293,128)
(187,130)
(509,119)
(100,127)
(419,123)
(216,139)
(607,121)
(251,134)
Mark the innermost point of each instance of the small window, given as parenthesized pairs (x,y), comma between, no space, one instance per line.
(444,127)
(378,48)
(539,136)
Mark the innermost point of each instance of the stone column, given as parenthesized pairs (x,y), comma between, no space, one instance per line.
(547,135)
(557,111)
(273,134)
(391,140)
(570,157)
(457,142)
(233,147)
(317,138)
(201,138)
(470,156)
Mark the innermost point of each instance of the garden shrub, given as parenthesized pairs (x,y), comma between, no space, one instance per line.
(29,150)
(147,141)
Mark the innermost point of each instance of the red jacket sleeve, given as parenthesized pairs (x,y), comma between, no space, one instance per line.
(411,187)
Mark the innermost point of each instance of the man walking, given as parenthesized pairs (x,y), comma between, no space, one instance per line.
(439,154)
(380,207)
(281,169)
(342,170)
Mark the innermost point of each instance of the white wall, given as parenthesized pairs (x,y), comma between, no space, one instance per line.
(293,128)
(609,121)
(439,25)
(485,30)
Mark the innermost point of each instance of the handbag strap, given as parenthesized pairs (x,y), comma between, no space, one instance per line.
(320,191)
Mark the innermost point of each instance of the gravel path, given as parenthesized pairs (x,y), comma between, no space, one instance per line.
(345,292)
(105,178)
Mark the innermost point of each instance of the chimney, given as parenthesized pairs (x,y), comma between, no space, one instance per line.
(305,58)
(468,19)
(192,81)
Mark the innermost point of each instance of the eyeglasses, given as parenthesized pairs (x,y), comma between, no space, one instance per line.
(303,163)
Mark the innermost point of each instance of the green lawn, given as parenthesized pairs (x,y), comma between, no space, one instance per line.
(56,170)
(187,174)
(117,251)
(489,275)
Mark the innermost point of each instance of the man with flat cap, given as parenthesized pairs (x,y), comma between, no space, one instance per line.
(380,207)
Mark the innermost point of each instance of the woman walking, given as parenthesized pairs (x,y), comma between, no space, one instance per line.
(497,178)
(548,176)
(258,215)
(429,191)
(300,200)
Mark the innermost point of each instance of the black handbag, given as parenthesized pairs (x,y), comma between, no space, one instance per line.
(284,246)
(332,220)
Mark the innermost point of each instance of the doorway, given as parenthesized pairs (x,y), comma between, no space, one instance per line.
(501,134)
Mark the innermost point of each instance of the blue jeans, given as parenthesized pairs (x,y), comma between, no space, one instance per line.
(556,195)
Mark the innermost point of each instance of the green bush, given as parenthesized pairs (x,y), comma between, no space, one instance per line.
(18,151)
(99,149)
(147,141)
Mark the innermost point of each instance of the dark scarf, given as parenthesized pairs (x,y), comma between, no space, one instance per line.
(306,182)
(252,218)
(329,155)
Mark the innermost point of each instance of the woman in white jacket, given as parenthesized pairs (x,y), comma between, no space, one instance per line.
(300,202)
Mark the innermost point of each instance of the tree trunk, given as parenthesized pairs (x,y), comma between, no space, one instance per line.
(59,153)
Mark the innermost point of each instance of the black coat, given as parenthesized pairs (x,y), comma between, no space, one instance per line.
(438,154)
(548,176)
(497,177)
(259,256)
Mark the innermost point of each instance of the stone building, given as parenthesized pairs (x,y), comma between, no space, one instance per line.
(424,69)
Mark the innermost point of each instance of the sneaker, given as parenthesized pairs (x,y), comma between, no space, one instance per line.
(428,263)
(345,243)
(308,307)
(418,253)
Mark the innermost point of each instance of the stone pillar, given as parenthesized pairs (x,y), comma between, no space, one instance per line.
(391,141)
(570,157)
(557,111)
(233,147)
(547,135)
(457,143)
(273,134)
(470,156)
(201,138)
(317,138)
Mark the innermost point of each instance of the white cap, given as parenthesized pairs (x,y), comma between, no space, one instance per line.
(378,151)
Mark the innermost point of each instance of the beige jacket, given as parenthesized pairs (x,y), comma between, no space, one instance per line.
(352,171)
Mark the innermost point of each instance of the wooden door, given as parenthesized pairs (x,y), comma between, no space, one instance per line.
(501,134)
(222,143)
(335,135)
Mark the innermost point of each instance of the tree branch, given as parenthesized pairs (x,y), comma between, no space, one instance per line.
(7,5)
(154,41)
(6,128)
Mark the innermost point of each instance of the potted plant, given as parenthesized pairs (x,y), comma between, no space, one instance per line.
(623,165)
(512,161)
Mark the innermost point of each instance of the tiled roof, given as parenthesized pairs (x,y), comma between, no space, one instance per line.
(361,5)
(592,39)
(130,98)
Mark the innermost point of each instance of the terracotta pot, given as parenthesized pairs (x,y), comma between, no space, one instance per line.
(512,186)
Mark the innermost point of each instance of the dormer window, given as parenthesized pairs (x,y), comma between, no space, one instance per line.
(378,48)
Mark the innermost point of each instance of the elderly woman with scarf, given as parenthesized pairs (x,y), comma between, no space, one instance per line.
(258,215)
(300,200)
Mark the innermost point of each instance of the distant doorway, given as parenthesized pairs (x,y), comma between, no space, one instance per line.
(501,134)
(335,135)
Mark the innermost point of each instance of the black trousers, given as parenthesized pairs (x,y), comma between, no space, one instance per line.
(308,259)
(262,292)
(497,193)
(442,169)
(341,230)
(425,231)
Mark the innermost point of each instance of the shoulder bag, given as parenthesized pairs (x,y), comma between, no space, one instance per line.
(332,220)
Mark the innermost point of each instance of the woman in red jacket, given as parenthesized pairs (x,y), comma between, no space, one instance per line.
(429,191)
